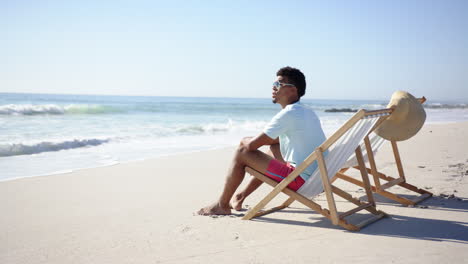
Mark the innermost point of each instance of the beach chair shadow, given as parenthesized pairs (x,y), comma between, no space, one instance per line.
(314,219)
(457,204)
(436,203)
(410,227)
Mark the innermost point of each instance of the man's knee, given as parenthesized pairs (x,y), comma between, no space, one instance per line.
(272,149)
(242,148)
(242,151)
(243,145)
(245,140)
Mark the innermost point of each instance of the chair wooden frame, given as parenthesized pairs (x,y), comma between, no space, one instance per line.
(380,188)
(329,189)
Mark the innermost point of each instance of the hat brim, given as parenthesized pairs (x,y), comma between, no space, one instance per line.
(406,119)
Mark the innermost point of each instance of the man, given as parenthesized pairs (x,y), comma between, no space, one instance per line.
(292,135)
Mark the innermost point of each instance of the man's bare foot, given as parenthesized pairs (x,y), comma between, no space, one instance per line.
(236,202)
(214,209)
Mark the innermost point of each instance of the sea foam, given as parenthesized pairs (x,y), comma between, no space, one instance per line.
(445,106)
(15,149)
(214,128)
(53,109)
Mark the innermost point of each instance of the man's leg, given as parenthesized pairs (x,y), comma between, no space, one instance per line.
(254,183)
(243,157)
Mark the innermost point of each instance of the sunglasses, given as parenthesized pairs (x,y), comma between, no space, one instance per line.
(278,85)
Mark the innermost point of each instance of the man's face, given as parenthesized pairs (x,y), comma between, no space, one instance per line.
(281,94)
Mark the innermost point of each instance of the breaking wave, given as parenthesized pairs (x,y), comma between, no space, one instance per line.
(445,106)
(7,150)
(52,109)
(215,128)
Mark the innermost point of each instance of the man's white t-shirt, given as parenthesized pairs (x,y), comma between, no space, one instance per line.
(300,133)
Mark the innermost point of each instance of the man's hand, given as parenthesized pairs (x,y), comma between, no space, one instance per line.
(252,144)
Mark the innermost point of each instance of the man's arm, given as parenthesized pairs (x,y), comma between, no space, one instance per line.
(261,140)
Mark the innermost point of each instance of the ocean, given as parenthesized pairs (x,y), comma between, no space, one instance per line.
(43,134)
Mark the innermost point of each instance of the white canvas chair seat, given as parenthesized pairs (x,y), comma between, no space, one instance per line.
(338,148)
(376,143)
(343,149)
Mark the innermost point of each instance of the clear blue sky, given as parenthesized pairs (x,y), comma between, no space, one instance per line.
(347,49)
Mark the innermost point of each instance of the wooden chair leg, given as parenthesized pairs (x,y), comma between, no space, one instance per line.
(288,202)
(365,176)
(398,160)
(370,155)
(327,188)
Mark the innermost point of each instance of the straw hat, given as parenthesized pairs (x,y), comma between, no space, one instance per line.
(406,119)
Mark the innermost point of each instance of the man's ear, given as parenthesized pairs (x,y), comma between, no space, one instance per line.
(297,92)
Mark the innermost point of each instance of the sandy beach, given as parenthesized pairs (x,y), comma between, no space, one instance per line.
(143,212)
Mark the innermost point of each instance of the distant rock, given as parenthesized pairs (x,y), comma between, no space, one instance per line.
(345,110)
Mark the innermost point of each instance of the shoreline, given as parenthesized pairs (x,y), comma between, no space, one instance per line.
(173,154)
(114,164)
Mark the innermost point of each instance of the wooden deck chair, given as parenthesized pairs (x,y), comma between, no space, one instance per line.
(339,147)
(371,144)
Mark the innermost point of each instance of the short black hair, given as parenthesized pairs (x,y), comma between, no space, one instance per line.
(295,76)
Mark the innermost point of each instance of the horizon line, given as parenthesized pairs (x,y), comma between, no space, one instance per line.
(221,97)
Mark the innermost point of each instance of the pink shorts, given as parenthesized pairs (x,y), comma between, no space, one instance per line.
(278,171)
